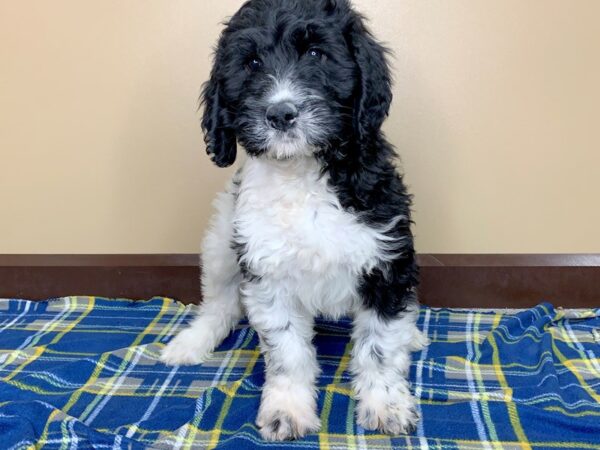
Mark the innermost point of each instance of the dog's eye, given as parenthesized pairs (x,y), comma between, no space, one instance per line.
(315,53)
(253,65)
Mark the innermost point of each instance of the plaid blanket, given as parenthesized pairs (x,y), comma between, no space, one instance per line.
(83,372)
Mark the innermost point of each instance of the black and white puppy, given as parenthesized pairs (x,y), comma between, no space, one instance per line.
(316,221)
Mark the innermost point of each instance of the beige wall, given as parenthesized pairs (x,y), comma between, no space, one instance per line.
(495,114)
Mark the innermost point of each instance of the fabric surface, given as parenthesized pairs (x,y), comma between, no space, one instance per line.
(83,372)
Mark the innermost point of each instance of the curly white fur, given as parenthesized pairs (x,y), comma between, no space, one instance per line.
(306,253)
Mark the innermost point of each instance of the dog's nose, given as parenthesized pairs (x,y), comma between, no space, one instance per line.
(282,116)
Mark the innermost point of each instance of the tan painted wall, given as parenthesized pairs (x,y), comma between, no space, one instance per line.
(495,114)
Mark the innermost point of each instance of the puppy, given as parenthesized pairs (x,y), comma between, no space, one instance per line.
(316,221)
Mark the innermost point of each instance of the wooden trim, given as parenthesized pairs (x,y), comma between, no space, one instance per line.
(125,276)
(510,281)
(510,260)
(448,280)
(154,260)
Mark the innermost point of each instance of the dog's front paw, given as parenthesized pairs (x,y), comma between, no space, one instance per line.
(186,349)
(278,425)
(419,341)
(394,416)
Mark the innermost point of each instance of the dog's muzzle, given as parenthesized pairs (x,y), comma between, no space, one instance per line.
(282,116)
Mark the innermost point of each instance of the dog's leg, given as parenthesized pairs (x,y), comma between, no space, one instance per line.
(380,364)
(220,309)
(288,404)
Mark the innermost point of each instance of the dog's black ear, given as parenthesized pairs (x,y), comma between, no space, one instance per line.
(374,88)
(217,124)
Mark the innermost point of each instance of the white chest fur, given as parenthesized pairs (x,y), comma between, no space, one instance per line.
(294,230)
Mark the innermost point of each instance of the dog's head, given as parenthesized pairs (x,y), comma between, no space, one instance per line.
(292,78)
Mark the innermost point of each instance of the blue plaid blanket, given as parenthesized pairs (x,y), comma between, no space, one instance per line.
(83,372)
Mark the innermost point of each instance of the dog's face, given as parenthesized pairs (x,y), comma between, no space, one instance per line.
(292,78)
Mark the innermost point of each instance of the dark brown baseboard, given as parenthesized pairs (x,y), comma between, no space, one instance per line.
(511,281)
(465,281)
(124,276)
